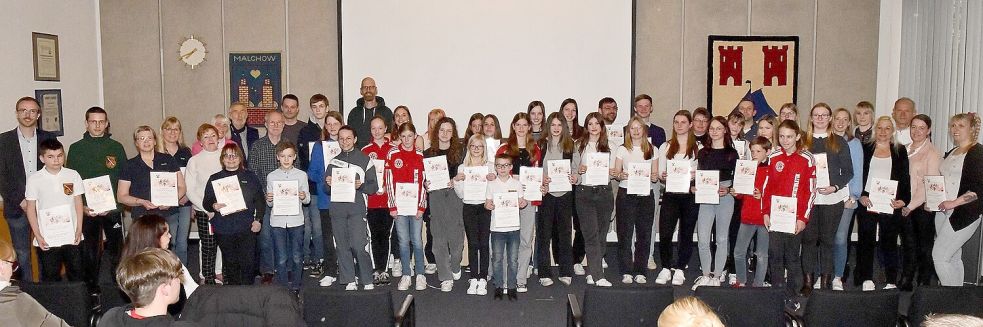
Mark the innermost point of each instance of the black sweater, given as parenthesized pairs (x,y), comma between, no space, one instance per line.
(840,164)
(972,181)
(252,193)
(723,160)
(899,171)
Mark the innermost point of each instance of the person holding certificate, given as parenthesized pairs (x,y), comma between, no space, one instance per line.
(171,142)
(288,229)
(594,202)
(134,189)
(524,153)
(791,175)
(446,224)
(200,168)
(407,202)
(918,224)
(635,213)
(553,225)
(54,210)
(471,185)
(235,232)
(960,214)
(819,235)
(718,155)
(377,213)
(320,157)
(736,122)
(505,233)
(883,159)
(752,223)
(843,126)
(677,208)
(348,218)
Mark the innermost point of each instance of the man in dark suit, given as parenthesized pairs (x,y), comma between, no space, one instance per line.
(19,159)
(242,134)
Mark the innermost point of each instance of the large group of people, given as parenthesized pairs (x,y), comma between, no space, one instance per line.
(402,224)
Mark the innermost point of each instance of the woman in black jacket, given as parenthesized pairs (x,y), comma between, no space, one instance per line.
(960,215)
(883,159)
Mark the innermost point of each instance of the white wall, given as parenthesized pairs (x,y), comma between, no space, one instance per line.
(77,25)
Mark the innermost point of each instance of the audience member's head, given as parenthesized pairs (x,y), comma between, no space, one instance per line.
(951,320)
(689,312)
(148,231)
(8,261)
(151,276)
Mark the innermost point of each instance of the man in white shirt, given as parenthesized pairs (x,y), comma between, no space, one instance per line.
(904,110)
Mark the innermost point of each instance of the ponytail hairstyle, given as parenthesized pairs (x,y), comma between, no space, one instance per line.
(690,138)
(602,139)
(974,122)
(831,145)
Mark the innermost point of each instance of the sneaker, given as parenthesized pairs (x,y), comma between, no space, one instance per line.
(640,279)
(766,284)
(546,282)
(308,265)
(602,283)
(457,275)
(522,288)
(383,278)
(430,268)
(351,287)
(482,287)
(837,284)
(447,286)
(397,272)
(472,286)
(652,265)
(868,285)
(705,281)
(664,276)
(327,281)
(722,278)
(590,280)
(818,284)
(404,283)
(627,279)
(604,263)
(890,286)
(678,277)
(368,287)
(529,272)
(397,266)
(421,282)
(731,279)
(317,269)
(578,269)
(566,280)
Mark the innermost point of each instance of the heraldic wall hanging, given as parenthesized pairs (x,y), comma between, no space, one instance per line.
(763,69)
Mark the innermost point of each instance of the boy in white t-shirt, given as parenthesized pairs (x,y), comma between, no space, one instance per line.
(504,240)
(54,209)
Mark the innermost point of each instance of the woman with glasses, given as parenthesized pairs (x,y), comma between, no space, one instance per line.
(171,142)
(16,307)
(235,231)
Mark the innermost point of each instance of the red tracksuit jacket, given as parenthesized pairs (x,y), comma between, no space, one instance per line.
(791,175)
(751,207)
(381,152)
(405,166)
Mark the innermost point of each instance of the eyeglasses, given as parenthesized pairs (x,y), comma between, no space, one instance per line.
(231,155)
(30,111)
(503,165)
(13,265)
(145,138)
(474,146)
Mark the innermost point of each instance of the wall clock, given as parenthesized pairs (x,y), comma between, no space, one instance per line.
(192,51)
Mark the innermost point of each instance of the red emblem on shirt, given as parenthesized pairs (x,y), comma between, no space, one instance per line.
(398,163)
(110,162)
(68,188)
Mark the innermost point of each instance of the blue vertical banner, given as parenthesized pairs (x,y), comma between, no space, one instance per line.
(255,79)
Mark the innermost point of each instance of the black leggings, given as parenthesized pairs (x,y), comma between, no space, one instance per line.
(553,227)
(887,244)
(380,230)
(477,227)
(917,240)
(678,208)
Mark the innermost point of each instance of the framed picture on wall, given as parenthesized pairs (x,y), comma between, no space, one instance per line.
(46,62)
(254,80)
(762,69)
(51,119)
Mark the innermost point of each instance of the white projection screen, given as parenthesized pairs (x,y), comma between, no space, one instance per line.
(488,56)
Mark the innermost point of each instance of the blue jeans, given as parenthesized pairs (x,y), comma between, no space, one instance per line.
(179,236)
(312,232)
(841,243)
(409,229)
(288,242)
(20,235)
(503,242)
(266,244)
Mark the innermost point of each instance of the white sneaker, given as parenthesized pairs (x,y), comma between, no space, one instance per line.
(837,284)
(604,263)
(766,284)
(447,286)
(404,283)
(430,268)
(678,277)
(457,275)
(590,280)
(546,282)
(472,286)
(421,282)
(351,287)
(521,288)
(327,281)
(652,265)
(705,281)
(818,284)
(482,287)
(529,271)
(368,287)
(397,268)
(731,279)
(626,279)
(890,286)
(868,285)
(640,279)
(566,280)
(602,283)
(578,269)
(664,276)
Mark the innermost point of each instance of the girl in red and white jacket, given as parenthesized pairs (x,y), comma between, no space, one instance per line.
(380,222)
(752,222)
(404,176)
(791,173)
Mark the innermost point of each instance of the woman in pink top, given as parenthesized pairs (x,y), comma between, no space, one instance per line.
(918,233)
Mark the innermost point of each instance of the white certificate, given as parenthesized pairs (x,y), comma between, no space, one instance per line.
(163,188)
(491,148)
(744,173)
(616,134)
(380,169)
(934,192)
(506,210)
(822,170)
(343,185)
(99,194)
(598,168)
(475,182)
(639,177)
(783,212)
(437,173)
(708,186)
(531,179)
(286,198)
(882,193)
(56,225)
(559,172)
(407,199)
(229,193)
(678,176)
(741,147)
(329,150)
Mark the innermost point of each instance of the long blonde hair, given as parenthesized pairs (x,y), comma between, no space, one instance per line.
(848,133)
(646,146)
(831,145)
(689,312)
(974,122)
(170,122)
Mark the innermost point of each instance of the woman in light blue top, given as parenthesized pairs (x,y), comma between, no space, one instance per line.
(842,126)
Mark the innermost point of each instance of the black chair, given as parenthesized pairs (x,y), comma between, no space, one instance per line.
(110,296)
(619,306)
(69,301)
(749,306)
(844,309)
(241,306)
(940,299)
(334,307)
